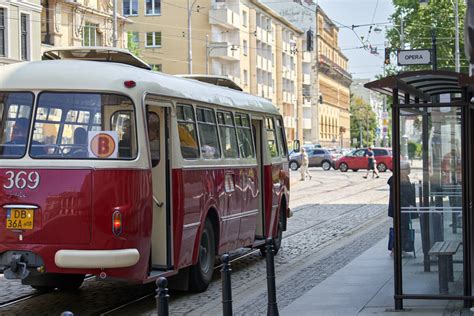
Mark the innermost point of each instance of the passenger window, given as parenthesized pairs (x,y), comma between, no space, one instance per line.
(187,131)
(122,122)
(281,139)
(228,134)
(208,134)
(154,137)
(359,153)
(271,137)
(244,135)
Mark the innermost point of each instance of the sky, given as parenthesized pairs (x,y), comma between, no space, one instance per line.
(362,64)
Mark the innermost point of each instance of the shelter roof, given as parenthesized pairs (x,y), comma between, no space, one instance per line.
(422,84)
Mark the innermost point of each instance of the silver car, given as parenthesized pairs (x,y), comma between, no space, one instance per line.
(318,157)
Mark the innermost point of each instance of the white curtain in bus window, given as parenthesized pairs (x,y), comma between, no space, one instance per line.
(187,131)
(208,134)
(271,137)
(64,122)
(244,135)
(14,123)
(228,134)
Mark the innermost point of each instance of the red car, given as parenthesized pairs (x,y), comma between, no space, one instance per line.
(356,160)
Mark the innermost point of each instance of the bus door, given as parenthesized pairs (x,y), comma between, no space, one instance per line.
(158,136)
(257,133)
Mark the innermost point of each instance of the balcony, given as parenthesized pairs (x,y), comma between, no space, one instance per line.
(307,79)
(224,50)
(306,123)
(289,122)
(224,17)
(327,66)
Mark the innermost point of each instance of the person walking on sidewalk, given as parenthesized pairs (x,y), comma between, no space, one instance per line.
(304,165)
(371,163)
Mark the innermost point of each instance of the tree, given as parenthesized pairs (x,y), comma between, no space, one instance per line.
(418,23)
(132,45)
(363,121)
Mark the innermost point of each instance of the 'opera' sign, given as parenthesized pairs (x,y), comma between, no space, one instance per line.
(414,57)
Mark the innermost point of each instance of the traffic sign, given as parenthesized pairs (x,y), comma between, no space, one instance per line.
(414,57)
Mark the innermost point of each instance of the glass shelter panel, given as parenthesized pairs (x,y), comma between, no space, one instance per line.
(430,195)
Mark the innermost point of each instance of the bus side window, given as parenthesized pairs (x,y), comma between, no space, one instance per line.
(271,137)
(280,138)
(154,137)
(187,131)
(244,135)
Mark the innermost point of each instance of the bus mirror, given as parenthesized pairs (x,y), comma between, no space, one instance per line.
(296,146)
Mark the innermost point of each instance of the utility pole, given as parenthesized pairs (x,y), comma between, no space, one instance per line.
(315,85)
(114,31)
(190,48)
(207,54)
(433,48)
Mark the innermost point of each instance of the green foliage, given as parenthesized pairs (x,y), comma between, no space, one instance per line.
(363,120)
(131,45)
(418,23)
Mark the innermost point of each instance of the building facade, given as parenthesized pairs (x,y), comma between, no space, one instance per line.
(326,82)
(19,31)
(243,40)
(72,23)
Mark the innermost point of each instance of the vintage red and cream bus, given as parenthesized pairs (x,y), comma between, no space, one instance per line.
(119,172)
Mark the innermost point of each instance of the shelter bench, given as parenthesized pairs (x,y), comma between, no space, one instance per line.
(445,251)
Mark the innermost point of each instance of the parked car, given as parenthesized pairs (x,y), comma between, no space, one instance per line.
(356,160)
(318,157)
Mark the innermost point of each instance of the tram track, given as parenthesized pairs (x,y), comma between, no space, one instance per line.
(33,295)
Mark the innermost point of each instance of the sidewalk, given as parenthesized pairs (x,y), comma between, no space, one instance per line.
(365,287)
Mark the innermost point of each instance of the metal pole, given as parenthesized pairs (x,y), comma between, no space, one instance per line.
(207,54)
(384,135)
(456,36)
(271,287)
(315,126)
(226,286)
(402,37)
(114,35)
(162,297)
(433,45)
(360,134)
(190,49)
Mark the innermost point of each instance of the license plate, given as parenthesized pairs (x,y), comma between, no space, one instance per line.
(19,218)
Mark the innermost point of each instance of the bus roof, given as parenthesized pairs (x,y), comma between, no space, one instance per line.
(79,75)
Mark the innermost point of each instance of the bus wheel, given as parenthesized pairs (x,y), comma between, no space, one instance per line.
(200,275)
(70,282)
(276,240)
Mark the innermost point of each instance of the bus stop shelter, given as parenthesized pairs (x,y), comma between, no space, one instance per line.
(431,186)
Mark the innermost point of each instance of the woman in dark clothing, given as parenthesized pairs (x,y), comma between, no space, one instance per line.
(407,199)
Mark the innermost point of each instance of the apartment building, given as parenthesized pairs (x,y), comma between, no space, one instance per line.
(19,31)
(70,23)
(243,40)
(326,82)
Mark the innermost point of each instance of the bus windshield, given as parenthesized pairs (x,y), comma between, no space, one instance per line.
(15,115)
(71,126)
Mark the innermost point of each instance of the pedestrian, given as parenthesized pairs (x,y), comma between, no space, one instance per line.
(371,163)
(304,165)
(407,202)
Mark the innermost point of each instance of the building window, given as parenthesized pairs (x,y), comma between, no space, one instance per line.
(25,37)
(153,39)
(244,18)
(153,7)
(90,35)
(245,47)
(3,37)
(130,7)
(246,77)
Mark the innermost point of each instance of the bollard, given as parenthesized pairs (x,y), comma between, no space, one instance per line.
(226,286)
(271,287)
(67,313)
(162,297)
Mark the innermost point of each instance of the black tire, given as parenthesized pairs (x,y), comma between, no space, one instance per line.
(326,165)
(381,167)
(70,282)
(294,165)
(276,241)
(343,167)
(200,275)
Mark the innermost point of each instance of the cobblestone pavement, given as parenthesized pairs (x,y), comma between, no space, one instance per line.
(336,217)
